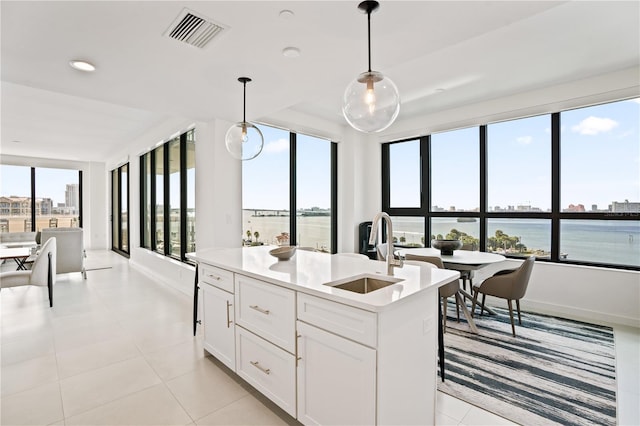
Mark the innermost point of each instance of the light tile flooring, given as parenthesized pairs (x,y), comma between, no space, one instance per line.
(118,349)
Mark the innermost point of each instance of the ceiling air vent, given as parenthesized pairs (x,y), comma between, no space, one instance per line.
(192,29)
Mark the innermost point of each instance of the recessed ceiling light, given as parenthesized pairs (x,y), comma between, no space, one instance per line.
(286,14)
(291,52)
(82,65)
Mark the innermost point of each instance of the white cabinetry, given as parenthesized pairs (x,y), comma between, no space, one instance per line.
(267,310)
(320,360)
(266,339)
(336,379)
(218,320)
(267,368)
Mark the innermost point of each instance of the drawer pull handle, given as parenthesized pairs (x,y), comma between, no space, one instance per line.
(257,365)
(259,309)
(229,322)
(214,277)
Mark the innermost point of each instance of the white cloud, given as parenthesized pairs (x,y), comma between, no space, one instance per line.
(276,146)
(524,140)
(594,125)
(636,100)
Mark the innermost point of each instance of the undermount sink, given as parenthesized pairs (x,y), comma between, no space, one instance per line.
(363,283)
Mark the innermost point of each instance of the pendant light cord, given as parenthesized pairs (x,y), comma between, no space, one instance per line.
(369,36)
(244,102)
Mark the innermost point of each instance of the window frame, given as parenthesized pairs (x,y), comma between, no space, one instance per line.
(556,215)
(116,176)
(333,170)
(148,176)
(32,189)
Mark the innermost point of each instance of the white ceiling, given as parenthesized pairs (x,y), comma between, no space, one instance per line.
(441,54)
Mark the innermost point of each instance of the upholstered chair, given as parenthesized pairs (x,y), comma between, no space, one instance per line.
(71,251)
(42,273)
(510,284)
(446,291)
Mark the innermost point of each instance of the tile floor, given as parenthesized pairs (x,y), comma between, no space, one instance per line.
(118,349)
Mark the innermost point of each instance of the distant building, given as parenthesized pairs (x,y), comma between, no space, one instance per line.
(72,197)
(21,206)
(575,208)
(625,207)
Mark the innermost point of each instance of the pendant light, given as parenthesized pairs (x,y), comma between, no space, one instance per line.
(371,102)
(244,140)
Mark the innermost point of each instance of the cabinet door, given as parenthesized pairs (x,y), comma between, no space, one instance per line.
(336,379)
(219,327)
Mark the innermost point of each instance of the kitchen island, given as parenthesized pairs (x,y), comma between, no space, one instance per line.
(303,333)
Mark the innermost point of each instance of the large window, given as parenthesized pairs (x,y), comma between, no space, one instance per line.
(120,209)
(455,174)
(563,187)
(294,173)
(167,197)
(519,165)
(35,198)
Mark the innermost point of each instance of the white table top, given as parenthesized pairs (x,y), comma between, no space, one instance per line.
(15,252)
(462,258)
(308,272)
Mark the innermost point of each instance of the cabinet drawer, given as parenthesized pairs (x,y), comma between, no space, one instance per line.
(352,323)
(267,368)
(267,310)
(217,277)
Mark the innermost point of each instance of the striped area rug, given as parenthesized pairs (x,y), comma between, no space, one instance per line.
(555,371)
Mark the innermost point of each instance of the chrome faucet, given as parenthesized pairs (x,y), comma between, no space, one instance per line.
(391,262)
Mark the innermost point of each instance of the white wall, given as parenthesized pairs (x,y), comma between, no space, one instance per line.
(586,293)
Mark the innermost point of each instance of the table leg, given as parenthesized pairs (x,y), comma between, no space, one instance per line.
(465,311)
(20,263)
(471,298)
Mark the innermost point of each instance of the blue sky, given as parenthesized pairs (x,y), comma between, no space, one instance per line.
(265,179)
(600,161)
(50,183)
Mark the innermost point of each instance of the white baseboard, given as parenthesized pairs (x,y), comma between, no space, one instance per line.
(577,314)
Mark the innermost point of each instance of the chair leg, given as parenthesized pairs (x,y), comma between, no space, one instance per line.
(195,302)
(50,282)
(513,326)
(482,305)
(518,306)
(457,308)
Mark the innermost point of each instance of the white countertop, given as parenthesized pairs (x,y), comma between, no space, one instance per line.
(308,271)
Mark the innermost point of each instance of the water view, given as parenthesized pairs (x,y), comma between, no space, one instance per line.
(603,241)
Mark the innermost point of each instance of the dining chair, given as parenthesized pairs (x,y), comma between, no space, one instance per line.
(467,275)
(42,273)
(436,263)
(510,284)
(446,291)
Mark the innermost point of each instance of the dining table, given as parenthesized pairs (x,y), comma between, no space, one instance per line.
(18,254)
(460,260)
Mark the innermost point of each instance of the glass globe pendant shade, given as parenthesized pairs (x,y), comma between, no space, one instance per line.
(371,102)
(244,141)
